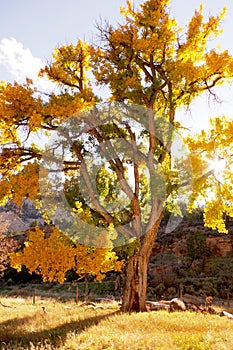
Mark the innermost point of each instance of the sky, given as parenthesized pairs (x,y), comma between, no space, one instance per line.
(30,30)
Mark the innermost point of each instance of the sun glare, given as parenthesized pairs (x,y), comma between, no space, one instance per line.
(217,165)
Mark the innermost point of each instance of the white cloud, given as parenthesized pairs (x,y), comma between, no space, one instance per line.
(20,63)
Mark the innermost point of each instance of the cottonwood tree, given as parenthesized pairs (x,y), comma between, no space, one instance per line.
(152,67)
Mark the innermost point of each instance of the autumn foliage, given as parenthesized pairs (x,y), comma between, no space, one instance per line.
(211,153)
(148,60)
(52,255)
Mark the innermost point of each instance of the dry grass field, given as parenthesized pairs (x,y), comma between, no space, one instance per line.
(51,324)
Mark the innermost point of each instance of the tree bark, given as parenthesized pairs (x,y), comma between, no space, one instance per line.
(134,294)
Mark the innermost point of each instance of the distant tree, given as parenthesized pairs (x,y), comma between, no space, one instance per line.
(52,255)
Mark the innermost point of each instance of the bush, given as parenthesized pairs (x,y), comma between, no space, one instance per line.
(171,292)
(196,246)
(160,290)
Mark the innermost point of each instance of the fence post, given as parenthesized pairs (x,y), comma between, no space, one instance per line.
(34,296)
(181,290)
(86,288)
(76,295)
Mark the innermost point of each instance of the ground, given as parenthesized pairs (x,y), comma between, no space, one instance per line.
(58,324)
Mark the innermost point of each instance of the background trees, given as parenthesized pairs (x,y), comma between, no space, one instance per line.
(146,61)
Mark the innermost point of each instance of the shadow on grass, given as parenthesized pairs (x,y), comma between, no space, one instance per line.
(13,331)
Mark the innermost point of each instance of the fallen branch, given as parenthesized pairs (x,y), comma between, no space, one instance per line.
(11,307)
(87,303)
(158,305)
(91,305)
(95,307)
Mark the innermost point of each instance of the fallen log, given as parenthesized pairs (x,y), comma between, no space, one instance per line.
(177,304)
(227,314)
(186,303)
(157,305)
(87,303)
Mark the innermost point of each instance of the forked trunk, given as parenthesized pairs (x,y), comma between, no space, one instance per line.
(134,295)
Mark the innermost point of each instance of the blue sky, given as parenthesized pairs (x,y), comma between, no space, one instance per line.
(29,31)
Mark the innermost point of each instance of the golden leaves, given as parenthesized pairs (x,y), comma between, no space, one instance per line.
(212,162)
(96,261)
(52,255)
(17,105)
(21,184)
(149,50)
(70,65)
(61,107)
(199,32)
(128,10)
(49,257)
(213,216)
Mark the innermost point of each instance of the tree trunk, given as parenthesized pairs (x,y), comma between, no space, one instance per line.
(134,295)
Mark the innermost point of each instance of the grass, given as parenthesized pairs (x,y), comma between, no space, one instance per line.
(67,326)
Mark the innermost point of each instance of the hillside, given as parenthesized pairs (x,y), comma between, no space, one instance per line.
(193,259)
(15,219)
